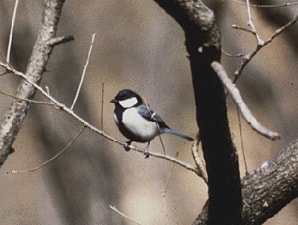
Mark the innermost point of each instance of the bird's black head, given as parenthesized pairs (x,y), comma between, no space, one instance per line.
(127,98)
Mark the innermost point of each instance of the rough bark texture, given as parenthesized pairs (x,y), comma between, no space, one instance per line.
(267,189)
(203,45)
(15,115)
(271,187)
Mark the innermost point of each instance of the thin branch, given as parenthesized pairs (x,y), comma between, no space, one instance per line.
(15,115)
(165,189)
(234,26)
(53,158)
(84,72)
(281,29)
(246,113)
(251,24)
(286,4)
(11,30)
(241,140)
(56,103)
(86,124)
(247,58)
(25,99)
(249,17)
(60,40)
(231,55)
(174,160)
(123,215)
(102,104)
(157,126)
(198,161)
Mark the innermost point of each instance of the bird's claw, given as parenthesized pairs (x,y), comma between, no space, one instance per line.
(146,151)
(146,154)
(126,146)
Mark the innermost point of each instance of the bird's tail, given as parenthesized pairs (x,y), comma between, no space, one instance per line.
(177,133)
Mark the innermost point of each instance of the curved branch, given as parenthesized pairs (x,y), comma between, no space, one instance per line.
(236,96)
(15,115)
(60,106)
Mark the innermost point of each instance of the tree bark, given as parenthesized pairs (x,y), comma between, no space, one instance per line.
(43,47)
(264,191)
(267,189)
(271,186)
(203,46)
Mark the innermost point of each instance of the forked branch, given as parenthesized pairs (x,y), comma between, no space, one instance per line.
(15,115)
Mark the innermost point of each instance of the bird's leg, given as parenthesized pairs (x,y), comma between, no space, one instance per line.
(126,146)
(146,150)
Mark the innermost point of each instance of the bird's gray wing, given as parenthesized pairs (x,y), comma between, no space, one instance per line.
(150,115)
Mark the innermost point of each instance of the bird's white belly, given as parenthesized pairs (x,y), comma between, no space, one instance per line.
(140,126)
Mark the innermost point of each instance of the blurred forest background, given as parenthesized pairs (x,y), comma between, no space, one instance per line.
(137,46)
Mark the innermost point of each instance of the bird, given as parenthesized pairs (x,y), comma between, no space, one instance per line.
(137,122)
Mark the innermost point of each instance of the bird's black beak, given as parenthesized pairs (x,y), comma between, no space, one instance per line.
(113,101)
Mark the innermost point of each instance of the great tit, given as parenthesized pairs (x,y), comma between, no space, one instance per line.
(137,122)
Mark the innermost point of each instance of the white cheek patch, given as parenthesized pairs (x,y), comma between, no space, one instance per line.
(128,102)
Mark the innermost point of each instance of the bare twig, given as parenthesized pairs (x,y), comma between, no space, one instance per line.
(102,104)
(60,40)
(231,55)
(123,215)
(25,99)
(198,161)
(84,72)
(174,160)
(15,115)
(153,117)
(241,140)
(286,4)
(11,30)
(243,29)
(251,24)
(281,29)
(86,124)
(247,58)
(246,113)
(165,189)
(53,158)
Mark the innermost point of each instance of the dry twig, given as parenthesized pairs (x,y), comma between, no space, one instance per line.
(25,99)
(123,215)
(251,24)
(84,72)
(198,161)
(61,106)
(286,4)
(15,115)
(248,57)
(60,40)
(241,141)
(11,30)
(53,158)
(246,113)
(102,104)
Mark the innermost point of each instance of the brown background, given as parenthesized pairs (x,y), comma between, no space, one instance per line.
(137,46)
